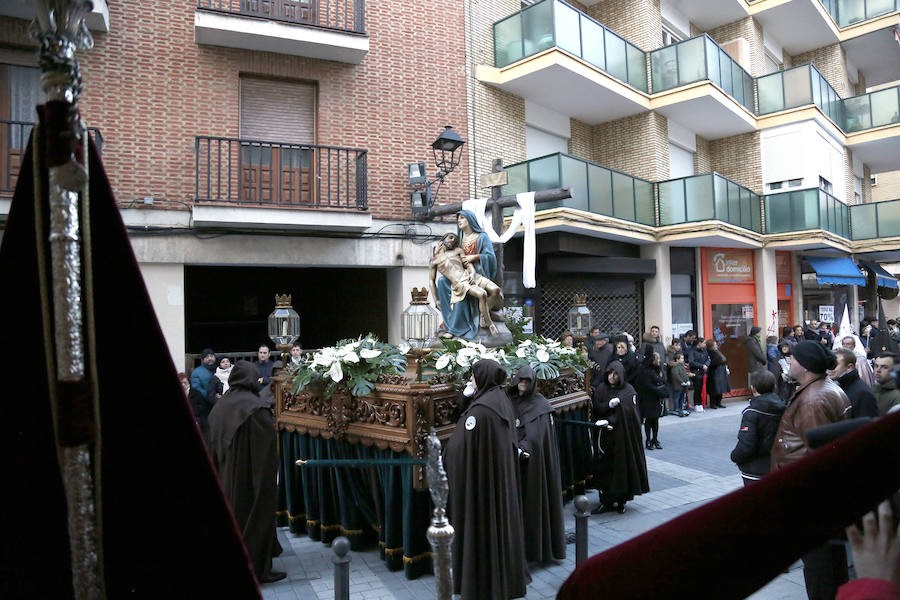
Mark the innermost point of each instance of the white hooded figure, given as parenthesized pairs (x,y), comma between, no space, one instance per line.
(863,367)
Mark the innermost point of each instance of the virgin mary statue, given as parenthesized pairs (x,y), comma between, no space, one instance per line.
(462,319)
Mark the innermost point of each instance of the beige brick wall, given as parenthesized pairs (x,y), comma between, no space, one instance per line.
(860,84)
(581,142)
(888,187)
(750,30)
(637,145)
(702,157)
(638,21)
(849,178)
(738,157)
(832,64)
(496,118)
(868,190)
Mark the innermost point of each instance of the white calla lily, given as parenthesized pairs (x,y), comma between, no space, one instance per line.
(335,372)
(542,355)
(463,360)
(351,357)
(404,348)
(521,352)
(369,353)
(442,361)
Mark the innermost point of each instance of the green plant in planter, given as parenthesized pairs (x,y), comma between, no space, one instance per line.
(354,363)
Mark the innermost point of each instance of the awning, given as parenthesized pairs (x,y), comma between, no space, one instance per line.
(885,279)
(836,270)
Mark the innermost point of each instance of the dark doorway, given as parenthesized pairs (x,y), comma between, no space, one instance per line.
(226,307)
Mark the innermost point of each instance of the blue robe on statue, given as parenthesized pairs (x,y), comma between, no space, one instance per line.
(463,319)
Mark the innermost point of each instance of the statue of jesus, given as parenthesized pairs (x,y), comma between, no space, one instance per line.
(450,262)
(462,319)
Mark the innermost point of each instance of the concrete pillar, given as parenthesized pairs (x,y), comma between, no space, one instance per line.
(766,291)
(852,306)
(797,289)
(400,282)
(165,286)
(698,278)
(658,291)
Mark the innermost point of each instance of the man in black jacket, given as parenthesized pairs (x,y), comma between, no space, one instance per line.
(759,424)
(697,361)
(862,400)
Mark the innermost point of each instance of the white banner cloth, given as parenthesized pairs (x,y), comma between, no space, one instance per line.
(523,217)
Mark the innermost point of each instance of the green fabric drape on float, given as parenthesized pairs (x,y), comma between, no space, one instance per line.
(364,504)
(574,452)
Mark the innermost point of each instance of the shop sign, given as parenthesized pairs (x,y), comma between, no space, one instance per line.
(783,267)
(826,313)
(729,266)
(748,311)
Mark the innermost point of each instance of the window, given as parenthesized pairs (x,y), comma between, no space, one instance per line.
(681,161)
(775,186)
(20,92)
(780,185)
(825,185)
(772,63)
(873,180)
(795,182)
(540,143)
(669,36)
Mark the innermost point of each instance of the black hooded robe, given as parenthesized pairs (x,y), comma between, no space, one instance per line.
(485,510)
(542,502)
(621,468)
(243,448)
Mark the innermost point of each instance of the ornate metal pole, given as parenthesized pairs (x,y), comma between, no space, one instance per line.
(440,533)
(59,147)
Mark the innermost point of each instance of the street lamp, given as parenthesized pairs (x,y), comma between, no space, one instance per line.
(447,151)
(579,316)
(418,326)
(284,323)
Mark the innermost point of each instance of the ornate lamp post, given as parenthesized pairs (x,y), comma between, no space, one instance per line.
(579,316)
(447,151)
(284,324)
(418,326)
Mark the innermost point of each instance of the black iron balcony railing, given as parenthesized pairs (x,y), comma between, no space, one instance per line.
(341,15)
(273,173)
(14,136)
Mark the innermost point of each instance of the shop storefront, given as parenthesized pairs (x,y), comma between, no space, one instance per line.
(729,306)
(783,274)
(826,286)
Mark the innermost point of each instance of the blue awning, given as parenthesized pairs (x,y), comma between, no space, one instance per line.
(836,271)
(885,279)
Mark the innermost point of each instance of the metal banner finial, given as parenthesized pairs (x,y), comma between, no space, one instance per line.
(440,533)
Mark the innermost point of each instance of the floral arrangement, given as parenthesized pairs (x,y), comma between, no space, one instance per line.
(545,356)
(357,363)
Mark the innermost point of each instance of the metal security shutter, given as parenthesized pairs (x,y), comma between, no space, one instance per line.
(278,111)
(616,304)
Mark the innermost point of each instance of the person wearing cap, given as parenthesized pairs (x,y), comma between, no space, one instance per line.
(203,389)
(818,401)
(756,358)
(600,354)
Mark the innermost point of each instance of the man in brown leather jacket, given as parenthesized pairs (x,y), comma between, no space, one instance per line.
(817,401)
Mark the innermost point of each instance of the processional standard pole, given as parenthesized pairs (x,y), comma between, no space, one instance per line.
(440,533)
(59,145)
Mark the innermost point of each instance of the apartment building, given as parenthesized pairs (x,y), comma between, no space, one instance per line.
(721,154)
(260,147)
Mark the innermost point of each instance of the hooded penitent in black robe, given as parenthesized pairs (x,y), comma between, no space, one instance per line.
(621,468)
(600,358)
(542,502)
(166,529)
(243,446)
(485,509)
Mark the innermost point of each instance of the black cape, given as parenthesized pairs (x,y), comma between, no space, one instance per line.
(167,530)
(601,358)
(243,445)
(621,468)
(542,502)
(482,468)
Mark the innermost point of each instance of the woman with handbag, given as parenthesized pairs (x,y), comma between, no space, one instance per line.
(717,378)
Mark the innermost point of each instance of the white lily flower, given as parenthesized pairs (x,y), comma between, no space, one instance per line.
(354,345)
(525,343)
(369,353)
(542,355)
(553,344)
(521,352)
(351,357)
(462,360)
(404,348)
(480,347)
(335,372)
(469,353)
(442,361)
(501,354)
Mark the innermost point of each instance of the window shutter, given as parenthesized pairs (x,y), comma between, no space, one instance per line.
(278,111)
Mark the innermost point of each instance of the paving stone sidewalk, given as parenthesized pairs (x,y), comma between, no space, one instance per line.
(692,468)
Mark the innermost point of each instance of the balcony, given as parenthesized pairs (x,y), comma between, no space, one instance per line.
(802,210)
(324,29)
(875,220)
(709,197)
(551,46)
(705,111)
(850,12)
(795,87)
(15,135)
(326,180)
(97,20)
(872,124)
(595,188)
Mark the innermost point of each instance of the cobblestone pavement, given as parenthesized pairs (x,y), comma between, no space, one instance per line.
(692,468)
